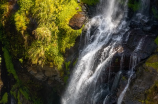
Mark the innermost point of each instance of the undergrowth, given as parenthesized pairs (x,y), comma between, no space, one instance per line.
(42,28)
(17,89)
(90,2)
(134,5)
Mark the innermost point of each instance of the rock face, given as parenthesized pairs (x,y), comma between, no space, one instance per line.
(46,74)
(40,83)
(144,86)
(77,21)
(1,82)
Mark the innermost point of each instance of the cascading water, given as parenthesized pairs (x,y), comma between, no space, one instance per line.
(90,82)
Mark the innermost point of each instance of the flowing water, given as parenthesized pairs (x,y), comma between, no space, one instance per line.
(90,82)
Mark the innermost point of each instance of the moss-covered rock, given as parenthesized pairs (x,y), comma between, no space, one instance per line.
(152,62)
(144,86)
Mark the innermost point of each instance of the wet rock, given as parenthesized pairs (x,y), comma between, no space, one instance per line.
(77,21)
(134,24)
(50,81)
(156,97)
(1,84)
(32,71)
(141,88)
(49,72)
(78,1)
(40,76)
(145,21)
(77,8)
(147,29)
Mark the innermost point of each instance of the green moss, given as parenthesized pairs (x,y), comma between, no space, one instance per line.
(153,91)
(134,5)
(4,98)
(151,94)
(90,2)
(75,62)
(155,12)
(156,40)
(152,62)
(9,64)
(67,65)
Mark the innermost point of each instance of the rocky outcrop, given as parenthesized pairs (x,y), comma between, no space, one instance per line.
(144,86)
(37,84)
(1,82)
(77,21)
(46,74)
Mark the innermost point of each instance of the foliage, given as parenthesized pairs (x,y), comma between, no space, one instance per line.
(4,98)
(46,42)
(67,35)
(4,9)
(134,5)
(155,12)
(9,64)
(20,22)
(67,64)
(18,86)
(90,2)
(74,63)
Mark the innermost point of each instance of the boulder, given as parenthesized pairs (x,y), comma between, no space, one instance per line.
(1,84)
(77,21)
(49,72)
(40,76)
(78,1)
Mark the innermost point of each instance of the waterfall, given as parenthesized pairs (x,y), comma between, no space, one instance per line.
(134,59)
(90,82)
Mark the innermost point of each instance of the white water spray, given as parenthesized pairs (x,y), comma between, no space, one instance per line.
(85,83)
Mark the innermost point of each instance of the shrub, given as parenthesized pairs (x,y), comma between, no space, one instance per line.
(47,41)
(90,2)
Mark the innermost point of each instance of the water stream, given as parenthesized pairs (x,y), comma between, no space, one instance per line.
(91,80)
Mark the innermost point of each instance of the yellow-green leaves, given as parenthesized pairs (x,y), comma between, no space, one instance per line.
(43,24)
(25,5)
(43,34)
(4,10)
(20,22)
(36,53)
(43,11)
(67,35)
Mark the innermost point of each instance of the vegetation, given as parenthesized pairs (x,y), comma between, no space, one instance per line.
(90,2)
(151,94)
(156,40)
(155,12)
(42,33)
(4,98)
(18,89)
(9,64)
(134,5)
(152,62)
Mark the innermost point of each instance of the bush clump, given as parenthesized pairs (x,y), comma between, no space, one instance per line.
(42,25)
